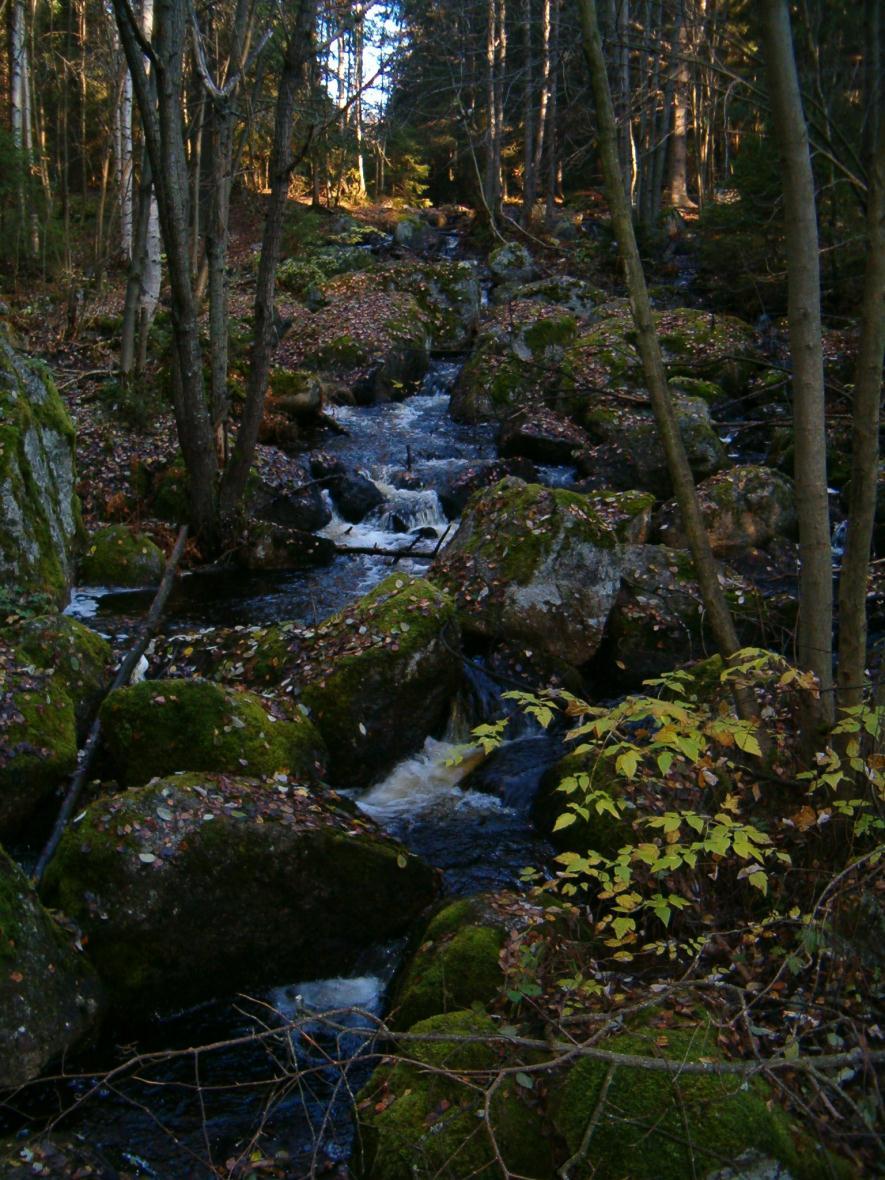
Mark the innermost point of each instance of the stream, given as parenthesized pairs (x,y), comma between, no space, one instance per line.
(192,1114)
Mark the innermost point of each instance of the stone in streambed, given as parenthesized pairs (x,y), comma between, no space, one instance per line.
(197,885)
(536,564)
(271,546)
(50,997)
(377,678)
(116,556)
(160,726)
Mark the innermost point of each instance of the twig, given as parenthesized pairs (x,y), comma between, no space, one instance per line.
(124,672)
(566,1170)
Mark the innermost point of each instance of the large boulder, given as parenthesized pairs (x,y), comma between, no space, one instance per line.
(270,546)
(518,362)
(512,263)
(694,344)
(198,884)
(374,341)
(629,440)
(448,294)
(543,436)
(653,1125)
(116,556)
(418,1119)
(377,678)
(50,996)
(535,564)
(744,508)
(456,963)
(39,510)
(160,726)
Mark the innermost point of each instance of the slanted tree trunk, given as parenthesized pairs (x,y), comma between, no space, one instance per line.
(647,343)
(867,395)
(815,646)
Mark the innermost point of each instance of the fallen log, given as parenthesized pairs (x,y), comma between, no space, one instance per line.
(127,666)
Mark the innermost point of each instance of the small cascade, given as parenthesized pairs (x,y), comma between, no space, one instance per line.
(405,510)
(422,783)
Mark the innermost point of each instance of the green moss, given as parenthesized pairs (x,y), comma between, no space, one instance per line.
(655,1127)
(160,726)
(551,332)
(118,557)
(429,1125)
(342,352)
(40,740)
(449,972)
(697,387)
(504,533)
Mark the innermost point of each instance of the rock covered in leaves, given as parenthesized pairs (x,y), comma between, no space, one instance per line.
(744,508)
(53,1158)
(542,435)
(653,1125)
(534,563)
(377,678)
(198,884)
(160,726)
(576,296)
(418,1123)
(39,511)
(50,997)
(116,556)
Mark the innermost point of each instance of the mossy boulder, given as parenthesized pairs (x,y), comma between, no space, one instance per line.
(39,510)
(160,726)
(455,965)
(374,340)
(116,556)
(81,660)
(630,439)
(448,294)
(377,678)
(38,737)
(694,345)
(50,997)
(518,363)
(200,884)
(744,508)
(535,564)
(417,1125)
(652,1125)
(512,263)
(628,514)
(576,296)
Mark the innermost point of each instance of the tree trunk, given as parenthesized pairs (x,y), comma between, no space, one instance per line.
(294,75)
(867,397)
(677,181)
(528,162)
(815,647)
(647,342)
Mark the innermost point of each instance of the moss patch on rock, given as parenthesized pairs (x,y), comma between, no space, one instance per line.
(536,564)
(456,965)
(417,1125)
(160,726)
(200,884)
(377,678)
(116,556)
(50,997)
(38,737)
(660,1126)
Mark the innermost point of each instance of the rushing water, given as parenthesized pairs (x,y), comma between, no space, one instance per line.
(465,813)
